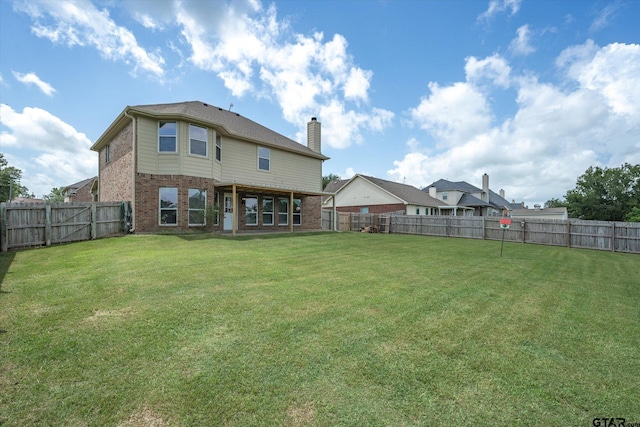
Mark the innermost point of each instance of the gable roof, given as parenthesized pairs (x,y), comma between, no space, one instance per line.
(79,184)
(406,193)
(444,185)
(469,200)
(226,122)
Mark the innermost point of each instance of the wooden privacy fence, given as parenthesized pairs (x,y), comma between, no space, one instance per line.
(37,224)
(573,233)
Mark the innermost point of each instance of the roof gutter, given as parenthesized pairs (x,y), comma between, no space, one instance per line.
(133,171)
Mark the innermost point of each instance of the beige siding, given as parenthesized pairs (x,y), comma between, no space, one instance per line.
(360,192)
(180,163)
(287,170)
(239,161)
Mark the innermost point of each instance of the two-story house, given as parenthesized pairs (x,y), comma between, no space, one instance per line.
(463,199)
(185,165)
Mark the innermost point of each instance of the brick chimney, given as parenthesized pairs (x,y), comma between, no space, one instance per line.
(313,135)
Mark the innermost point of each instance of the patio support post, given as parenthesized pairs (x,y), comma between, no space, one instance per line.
(335,216)
(234,214)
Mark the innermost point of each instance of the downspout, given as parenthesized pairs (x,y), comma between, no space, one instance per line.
(133,172)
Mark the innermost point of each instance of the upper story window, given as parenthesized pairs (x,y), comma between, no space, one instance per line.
(167,137)
(218,147)
(107,153)
(264,155)
(445,195)
(198,140)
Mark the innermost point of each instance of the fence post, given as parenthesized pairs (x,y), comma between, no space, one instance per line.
(94,226)
(4,246)
(524,226)
(47,224)
(568,233)
(613,237)
(484,229)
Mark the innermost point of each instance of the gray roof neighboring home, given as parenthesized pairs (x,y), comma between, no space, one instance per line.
(225,121)
(75,187)
(407,193)
(501,202)
(469,200)
(444,185)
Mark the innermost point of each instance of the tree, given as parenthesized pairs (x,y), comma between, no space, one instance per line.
(10,187)
(633,216)
(329,178)
(607,194)
(56,195)
(555,203)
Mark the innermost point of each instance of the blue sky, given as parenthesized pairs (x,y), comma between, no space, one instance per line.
(531,92)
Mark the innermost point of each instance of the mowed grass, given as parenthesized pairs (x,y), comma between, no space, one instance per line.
(317,329)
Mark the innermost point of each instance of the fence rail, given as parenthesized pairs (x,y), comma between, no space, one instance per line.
(38,224)
(574,233)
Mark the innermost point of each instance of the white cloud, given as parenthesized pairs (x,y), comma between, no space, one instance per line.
(493,68)
(499,6)
(521,45)
(453,114)
(57,154)
(256,54)
(554,136)
(32,78)
(604,16)
(81,23)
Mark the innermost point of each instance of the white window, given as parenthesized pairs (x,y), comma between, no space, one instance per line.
(364,209)
(167,137)
(264,156)
(198,140)
(168,214)
(251,210)
(297,211)
(417,211)
(197,205)
(218,147)
(445,195)
(107,153)
(283,211)
(267,211)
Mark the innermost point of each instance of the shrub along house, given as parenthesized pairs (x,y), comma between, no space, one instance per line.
(177,163)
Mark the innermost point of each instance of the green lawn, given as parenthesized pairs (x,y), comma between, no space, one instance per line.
(321,329)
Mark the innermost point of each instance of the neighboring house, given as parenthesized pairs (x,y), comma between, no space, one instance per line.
(83,191)
(540,213)
(463,199)
(27,200)
(171,161)
(366,194)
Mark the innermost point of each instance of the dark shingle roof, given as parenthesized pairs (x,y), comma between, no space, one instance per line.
(79,184)
(444,185)
(408,193)
(469,200)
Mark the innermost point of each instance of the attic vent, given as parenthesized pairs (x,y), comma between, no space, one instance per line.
(206,105)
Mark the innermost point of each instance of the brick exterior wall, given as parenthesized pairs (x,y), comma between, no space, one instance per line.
(148,200)
(375,209)
(116,176)
(82,194)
